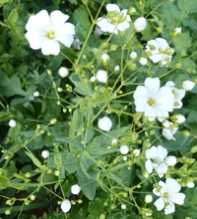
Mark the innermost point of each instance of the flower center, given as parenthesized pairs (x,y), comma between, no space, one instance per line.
(151,102)
(50,34)
(116,17)
(165,196)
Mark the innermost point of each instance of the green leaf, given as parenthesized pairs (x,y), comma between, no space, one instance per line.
(87,184)
(70,162)
(82,22)
(10,86)
(4,182)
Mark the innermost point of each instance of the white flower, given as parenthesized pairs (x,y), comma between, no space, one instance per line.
(153,100)
(159,51)
(179,119)
(169,130)
(178,94)
(148,198)
(188,85)
(157,159)
(140,24)
(124,149)
(101,76)
(75,189)
(143,61)
(169,194)
(115,21)
(105,123)
(63,72)
(190,184)
(12,123)
(36,94)
(133,55)
(46,32)
(45,154)
(66,206)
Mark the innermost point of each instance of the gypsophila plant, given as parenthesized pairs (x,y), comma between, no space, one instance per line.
(98,109)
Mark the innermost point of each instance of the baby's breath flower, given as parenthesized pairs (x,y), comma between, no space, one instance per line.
(46,32)
(190,184)
(136,152)
(115,21)
(123,207)
(169,194)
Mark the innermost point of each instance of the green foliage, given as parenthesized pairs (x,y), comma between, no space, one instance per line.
(61,114)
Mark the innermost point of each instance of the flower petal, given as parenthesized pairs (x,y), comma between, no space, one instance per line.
(152,84)
(159,204)
(149,166)
(179,198)
(169,209)
(35,39)
(112,7)
(58,18)
(50,47)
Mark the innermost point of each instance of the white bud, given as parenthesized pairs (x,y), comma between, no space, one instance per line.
(66,206)
(140,24)
(124,149)
(117,68)
(123,206)
(148,198)
(93,79)
(178,30)
(45,154)
(114,141)
(133,55)
(143,61)
(63,72)
(36,94)
(101,76)
(136,152)
(105,57)
(190,184)
(105,123)
(75,189)
(12,123)
(179,119)
(125,158)
(188,85)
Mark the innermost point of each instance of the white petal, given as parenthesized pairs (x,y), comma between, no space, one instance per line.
(159,204)
(173,185)
(112,7)
(50,47)
(169,209)
(162,43)
(161,152)
(35,39)
(38,21)
(58,18)
(149,166)
(153,84)
(161,169)
(66,206)
(123,26)
(171,160)
(188,85)
(179,198)
(106,26)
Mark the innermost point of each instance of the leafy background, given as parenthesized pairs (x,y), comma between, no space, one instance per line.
(79,151)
